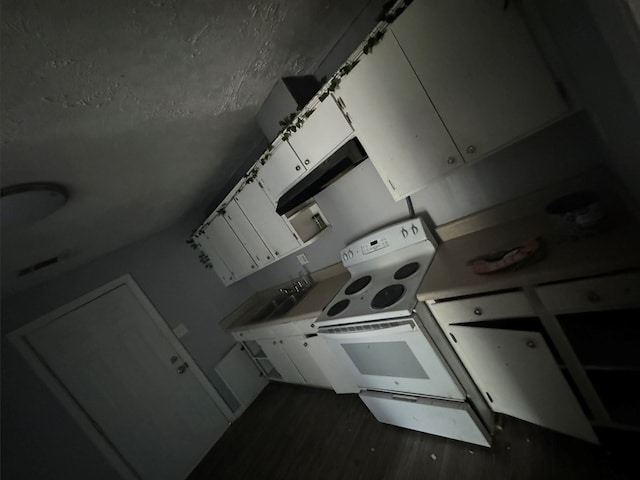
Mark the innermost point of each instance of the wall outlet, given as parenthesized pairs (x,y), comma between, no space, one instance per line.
(302,258)
(181,330)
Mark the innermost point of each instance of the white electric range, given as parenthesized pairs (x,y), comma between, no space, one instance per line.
(389,344)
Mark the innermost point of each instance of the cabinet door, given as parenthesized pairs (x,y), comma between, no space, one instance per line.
(280,171)
(481,69)
(296,348)
(247,235)
(395,121)
(518,376)
(221,268)
(272,228)
(338,377)
(219,238)
(324,131)
(280,361)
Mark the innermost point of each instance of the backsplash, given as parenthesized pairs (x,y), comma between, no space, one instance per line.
(359,202)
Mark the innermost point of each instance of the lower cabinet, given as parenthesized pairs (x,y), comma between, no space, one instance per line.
(599,317)
(297,349)
(518,375)
(286,370)
(511,359)
(284,352)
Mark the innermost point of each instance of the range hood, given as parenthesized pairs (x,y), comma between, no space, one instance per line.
(328,171)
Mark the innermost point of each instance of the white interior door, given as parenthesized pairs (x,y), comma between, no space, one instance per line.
(144,395)
(518,375)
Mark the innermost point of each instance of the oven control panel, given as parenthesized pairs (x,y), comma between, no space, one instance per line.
(386,240)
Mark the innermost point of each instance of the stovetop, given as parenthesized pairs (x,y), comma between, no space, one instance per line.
(386,269)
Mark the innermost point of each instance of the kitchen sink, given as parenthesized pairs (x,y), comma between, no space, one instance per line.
(278,305)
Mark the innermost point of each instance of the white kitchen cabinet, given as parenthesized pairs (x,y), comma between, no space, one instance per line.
(219,266)
(297,349)
(282,363)
(395,121)
(247,235)
(272,228)
(481,69)
(324,131)
(220,243)
(280,171)
(339,379)
(599,318)
(518,376)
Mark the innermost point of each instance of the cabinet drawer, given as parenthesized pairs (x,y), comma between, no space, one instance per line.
(252,334)
(616,291)
(307,326)
(284,330)
(488,307)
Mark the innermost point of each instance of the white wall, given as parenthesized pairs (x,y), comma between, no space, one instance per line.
(39,439)
(600,46)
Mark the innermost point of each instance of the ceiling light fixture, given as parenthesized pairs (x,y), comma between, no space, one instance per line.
(26,203)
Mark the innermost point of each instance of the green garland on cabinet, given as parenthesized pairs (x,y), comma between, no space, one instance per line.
(294,121)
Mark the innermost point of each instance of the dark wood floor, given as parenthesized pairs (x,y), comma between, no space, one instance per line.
(293,432)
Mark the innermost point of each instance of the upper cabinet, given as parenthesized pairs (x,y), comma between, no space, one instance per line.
(395,120)
(247,235)
(272,228)
(281,170)
(481,69)
(322,132)
(228,256)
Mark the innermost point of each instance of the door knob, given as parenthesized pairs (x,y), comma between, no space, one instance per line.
(182,368)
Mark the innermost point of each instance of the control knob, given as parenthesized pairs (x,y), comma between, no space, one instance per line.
(344,257)
(404,232)
(414,229)
(350,254)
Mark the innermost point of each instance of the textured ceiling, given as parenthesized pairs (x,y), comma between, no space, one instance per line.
(142,109)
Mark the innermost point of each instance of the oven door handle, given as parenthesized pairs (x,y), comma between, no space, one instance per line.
(349,332)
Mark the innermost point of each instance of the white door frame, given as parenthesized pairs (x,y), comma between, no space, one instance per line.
(82,418)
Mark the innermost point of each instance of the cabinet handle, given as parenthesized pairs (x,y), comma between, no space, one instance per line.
(307,162)
(593,297)
(298,168)
(305,344)
(471,149)
(477,311)
(530,343)
(451,160)
(280,341)
(274,342)
(313,325)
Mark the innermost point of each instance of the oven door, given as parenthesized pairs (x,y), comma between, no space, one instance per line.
(392,355)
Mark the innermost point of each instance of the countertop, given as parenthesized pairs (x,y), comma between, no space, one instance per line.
(614,249)
(327,283)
